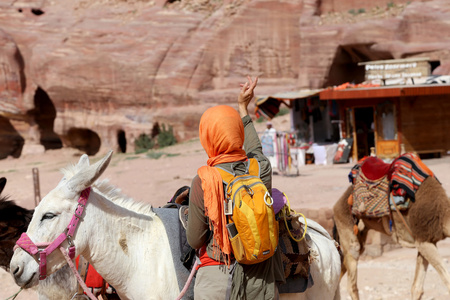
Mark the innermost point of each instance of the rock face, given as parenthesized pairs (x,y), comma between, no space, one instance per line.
(96,74)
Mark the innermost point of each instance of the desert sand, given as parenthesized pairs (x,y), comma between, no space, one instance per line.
(155,181)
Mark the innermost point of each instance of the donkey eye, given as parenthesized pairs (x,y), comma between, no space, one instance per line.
(48,216)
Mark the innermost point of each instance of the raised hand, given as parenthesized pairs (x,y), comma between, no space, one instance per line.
(246,95)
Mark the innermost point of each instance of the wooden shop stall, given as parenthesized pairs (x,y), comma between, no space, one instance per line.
(413,116)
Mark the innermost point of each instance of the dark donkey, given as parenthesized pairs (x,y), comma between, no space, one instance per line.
(13,221)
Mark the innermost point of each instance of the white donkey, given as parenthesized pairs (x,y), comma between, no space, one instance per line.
(126,241)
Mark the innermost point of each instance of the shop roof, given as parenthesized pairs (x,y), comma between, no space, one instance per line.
(384,91)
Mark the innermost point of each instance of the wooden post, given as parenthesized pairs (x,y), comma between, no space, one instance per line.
(37,190)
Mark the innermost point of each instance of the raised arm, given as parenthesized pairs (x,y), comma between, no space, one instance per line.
(252,143)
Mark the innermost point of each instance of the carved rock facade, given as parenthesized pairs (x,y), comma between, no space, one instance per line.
(96,74)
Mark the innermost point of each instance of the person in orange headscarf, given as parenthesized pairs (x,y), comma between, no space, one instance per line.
(224,134)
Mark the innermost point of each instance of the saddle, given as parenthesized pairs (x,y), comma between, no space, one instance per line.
(374,181)
(295,245)
(370,188)
(374,168)
(407,174)
(296,255)
(180,201)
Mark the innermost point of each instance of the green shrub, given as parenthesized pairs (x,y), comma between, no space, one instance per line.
(143,143)
(260,119)
(166,137)
(283,111)
(357,12)
(154,154)
(131,157)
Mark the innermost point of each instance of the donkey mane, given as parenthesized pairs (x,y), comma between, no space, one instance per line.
(113,193)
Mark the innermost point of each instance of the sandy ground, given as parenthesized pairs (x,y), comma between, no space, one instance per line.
(155,180)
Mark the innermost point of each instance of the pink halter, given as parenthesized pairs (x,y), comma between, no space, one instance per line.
(27,244)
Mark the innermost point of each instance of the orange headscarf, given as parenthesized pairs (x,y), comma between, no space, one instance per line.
(222,136)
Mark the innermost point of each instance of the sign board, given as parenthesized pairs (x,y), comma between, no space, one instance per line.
(396,69)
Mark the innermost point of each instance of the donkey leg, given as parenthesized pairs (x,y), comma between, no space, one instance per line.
(351,249)
(343,271)
(430,253)
(351,265)
(419,277)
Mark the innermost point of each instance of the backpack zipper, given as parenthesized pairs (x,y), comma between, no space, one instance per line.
(242,187)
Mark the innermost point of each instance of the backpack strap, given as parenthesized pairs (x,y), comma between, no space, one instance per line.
(254,168)
(251,167)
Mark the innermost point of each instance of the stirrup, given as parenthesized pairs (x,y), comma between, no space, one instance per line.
(78,296)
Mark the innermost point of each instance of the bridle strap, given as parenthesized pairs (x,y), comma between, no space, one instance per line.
(83,266)
(84,196)
(27,244)
(80,281)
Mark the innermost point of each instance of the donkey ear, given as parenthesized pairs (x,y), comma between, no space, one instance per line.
(88,174)
(2,184)
(83,162)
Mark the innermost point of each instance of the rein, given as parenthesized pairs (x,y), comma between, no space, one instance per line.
(188,282)
(27,244)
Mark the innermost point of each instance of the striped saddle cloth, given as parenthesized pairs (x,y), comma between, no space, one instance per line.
(370,187)
(373,182)
(370,197)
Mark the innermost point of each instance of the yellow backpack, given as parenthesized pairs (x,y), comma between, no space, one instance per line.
(252,226)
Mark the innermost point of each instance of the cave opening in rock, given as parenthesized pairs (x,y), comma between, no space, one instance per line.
(10,140)
(37,11)
(122,141)
(345,63)
(44,116)
(83,139)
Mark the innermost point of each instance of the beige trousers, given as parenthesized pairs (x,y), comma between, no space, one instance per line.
(211,283)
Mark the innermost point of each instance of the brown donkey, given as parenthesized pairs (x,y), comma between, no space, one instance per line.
(426,222)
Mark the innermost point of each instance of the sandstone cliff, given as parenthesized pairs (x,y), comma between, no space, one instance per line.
(96,74)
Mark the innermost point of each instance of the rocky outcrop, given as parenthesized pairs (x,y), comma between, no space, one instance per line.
(96,74)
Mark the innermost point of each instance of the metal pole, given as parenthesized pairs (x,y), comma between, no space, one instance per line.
(37,190)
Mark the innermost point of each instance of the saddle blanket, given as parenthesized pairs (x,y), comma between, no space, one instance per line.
(377,185)
(370,197)
(175,234)
(370,187)
(407,174)
(296,255)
